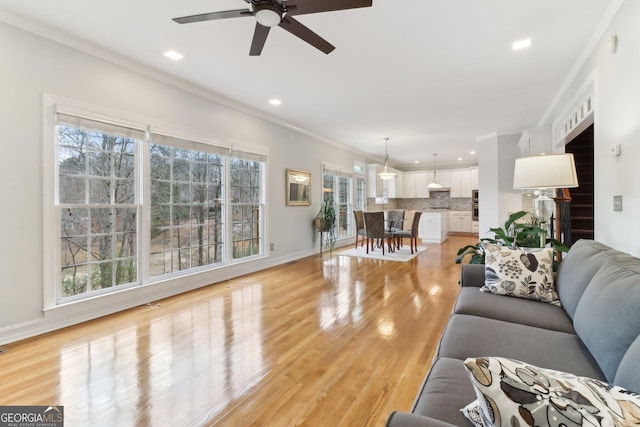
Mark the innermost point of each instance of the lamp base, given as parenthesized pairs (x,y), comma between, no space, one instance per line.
(543,208)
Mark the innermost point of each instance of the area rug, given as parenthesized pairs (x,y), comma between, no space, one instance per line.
(403,254)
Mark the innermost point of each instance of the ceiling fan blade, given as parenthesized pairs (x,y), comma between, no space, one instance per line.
(302,7)
(297,29)
(238,13)
(259,38)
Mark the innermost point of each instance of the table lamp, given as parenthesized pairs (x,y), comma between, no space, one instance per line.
(544,173)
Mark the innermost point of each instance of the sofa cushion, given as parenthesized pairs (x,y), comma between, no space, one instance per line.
(520,273)
(446,390)
(577,269)
(525,312)
(512,392)
(472,336)
(407,419)
(628,374)
(607,317)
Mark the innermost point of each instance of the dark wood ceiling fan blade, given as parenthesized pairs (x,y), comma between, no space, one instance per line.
(238,13)
(302,7)
(259,38)
(297,29)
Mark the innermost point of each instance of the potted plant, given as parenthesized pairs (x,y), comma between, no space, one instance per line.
(324,224)
(513,234)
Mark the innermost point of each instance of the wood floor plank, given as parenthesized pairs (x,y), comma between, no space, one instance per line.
(327,340)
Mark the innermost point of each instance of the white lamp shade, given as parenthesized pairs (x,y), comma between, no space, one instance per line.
(545,171)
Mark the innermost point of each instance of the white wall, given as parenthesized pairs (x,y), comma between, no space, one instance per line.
(616,121)
(31,66)
(496,159)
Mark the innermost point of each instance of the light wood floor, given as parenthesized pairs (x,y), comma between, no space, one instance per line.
(323,341)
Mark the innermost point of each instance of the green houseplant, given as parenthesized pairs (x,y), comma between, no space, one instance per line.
(513,234)
(324,224)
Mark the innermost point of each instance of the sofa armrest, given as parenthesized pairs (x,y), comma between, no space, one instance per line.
(472,275)
(407,419)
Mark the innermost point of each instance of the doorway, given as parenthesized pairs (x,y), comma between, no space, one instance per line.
(582,200)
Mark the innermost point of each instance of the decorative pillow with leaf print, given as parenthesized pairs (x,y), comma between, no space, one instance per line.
(514,393)
(523,273)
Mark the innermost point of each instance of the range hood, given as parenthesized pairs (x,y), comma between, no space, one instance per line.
(433,190)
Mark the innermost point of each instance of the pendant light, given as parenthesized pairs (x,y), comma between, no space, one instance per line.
(385,174)
(434,184)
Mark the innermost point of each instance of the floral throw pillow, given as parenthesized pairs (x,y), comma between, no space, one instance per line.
(520,273)
(514,393)
(472,413)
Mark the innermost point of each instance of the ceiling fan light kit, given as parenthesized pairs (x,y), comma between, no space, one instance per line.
(268,15)
(271,13)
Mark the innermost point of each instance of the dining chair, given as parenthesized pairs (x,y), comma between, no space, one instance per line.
(395,220)
(411,234)
(375,230)
(360,231)
(406,225)
(395,217)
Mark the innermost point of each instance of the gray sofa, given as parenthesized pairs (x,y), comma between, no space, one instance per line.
(596,332)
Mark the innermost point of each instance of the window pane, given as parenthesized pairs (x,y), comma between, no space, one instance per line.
(124,192)
(99,163)
(101,275)
(74,280)
(72,190)
(160,192)
(73,251)
(161,165)
(181,170)
(99,191)
(126,271)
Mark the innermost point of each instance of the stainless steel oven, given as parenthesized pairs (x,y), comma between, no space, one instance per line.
(474,212)
(474,196)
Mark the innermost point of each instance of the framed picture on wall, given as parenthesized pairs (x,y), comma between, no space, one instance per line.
(298,187)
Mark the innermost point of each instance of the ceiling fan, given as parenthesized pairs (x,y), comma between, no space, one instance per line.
(269,13)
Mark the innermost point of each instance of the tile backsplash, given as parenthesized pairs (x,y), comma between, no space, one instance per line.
(438,200)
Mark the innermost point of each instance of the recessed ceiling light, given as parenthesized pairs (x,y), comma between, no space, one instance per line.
(472,152)
(521,44)
(459,159)
(172,54)
(416,161)
(275,101)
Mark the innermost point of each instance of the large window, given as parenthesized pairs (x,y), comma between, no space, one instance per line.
(203,206)
(97,206)
(337,186)
(186,207)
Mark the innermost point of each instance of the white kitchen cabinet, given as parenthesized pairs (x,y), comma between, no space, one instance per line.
(433,227)
(475,227)
(398,185)
(534,142)
(460,184)
(474,178)
(415,185)
(460,222)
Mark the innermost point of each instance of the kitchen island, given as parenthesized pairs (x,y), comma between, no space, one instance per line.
(434,225)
